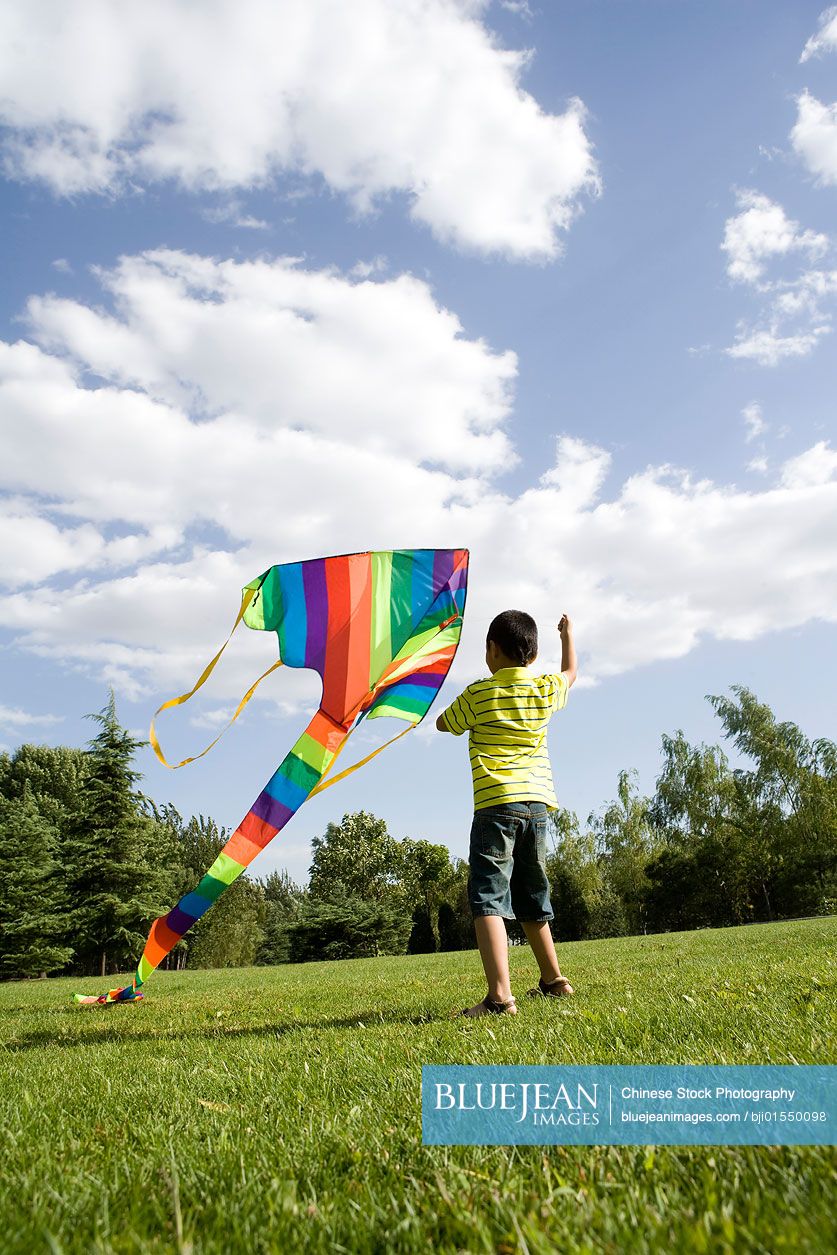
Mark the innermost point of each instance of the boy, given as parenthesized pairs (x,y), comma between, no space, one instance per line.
(506,718)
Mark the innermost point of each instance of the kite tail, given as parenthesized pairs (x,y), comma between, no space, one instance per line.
(294,780)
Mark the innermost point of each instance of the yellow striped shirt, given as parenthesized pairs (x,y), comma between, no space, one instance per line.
(506,718)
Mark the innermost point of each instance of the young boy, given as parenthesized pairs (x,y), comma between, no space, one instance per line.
(506,718)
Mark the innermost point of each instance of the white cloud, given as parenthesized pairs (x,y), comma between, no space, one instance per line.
(804,295)
(767,347)
(415,98)
(248,474)
(814,137)
(754,420)
(814,467)
(756,426)
(33,548)
(363,269)
(642,574)
(294,352)
(232,212)
(760,231)
(14,717)
(578,472)
(825,39)
(761,234)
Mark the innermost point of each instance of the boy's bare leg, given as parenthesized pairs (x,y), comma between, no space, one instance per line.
(543,948)
(494,952)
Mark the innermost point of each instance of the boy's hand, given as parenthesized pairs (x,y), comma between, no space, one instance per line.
(565,627)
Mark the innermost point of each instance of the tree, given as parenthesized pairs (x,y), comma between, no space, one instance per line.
(794,784)
(626,838)
(33,917)
(426,873)
(232,928)
(456,924)
(283,902)
(53,775)
(350,928)
(679,891)
(705,813)
(359,853)
(112,886)
(575,878)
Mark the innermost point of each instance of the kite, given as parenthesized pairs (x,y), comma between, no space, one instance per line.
(381,630)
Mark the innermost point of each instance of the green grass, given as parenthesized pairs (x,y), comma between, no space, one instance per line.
(278,1109)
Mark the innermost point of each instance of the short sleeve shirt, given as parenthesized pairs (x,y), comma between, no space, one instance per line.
(506,718)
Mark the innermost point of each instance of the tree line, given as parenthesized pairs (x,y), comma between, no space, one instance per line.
(89,861)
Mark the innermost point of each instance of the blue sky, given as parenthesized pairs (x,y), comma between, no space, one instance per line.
(361,277)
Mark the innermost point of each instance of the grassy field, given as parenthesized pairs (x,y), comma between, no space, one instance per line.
(278,1109)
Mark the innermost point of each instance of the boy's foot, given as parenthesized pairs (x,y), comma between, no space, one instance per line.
(558,988)
(489,1007)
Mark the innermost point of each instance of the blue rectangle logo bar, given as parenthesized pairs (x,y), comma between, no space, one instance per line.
(684,1105)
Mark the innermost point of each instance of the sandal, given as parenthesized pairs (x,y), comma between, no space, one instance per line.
(489,1007)
(558,988)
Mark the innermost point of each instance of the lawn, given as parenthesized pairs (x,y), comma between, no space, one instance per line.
(278,1109)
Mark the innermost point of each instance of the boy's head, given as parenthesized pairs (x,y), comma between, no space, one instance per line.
(512,640)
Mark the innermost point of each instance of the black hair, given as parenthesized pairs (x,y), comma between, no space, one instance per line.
(516,634)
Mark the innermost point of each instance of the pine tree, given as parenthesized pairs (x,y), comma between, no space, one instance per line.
(33,918)
(113,886)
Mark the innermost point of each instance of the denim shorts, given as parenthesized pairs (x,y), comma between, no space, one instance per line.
(507,861)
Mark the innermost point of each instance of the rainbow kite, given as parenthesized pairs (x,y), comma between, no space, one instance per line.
(381,629)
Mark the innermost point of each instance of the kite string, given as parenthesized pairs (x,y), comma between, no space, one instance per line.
(246,598)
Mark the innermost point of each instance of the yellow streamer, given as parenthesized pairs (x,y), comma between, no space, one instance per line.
(246,598)
(326,784)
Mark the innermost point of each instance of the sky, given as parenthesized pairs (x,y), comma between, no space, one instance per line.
(554,282)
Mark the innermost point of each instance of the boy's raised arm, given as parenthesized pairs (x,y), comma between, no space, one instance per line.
(458,717)
(569,662)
